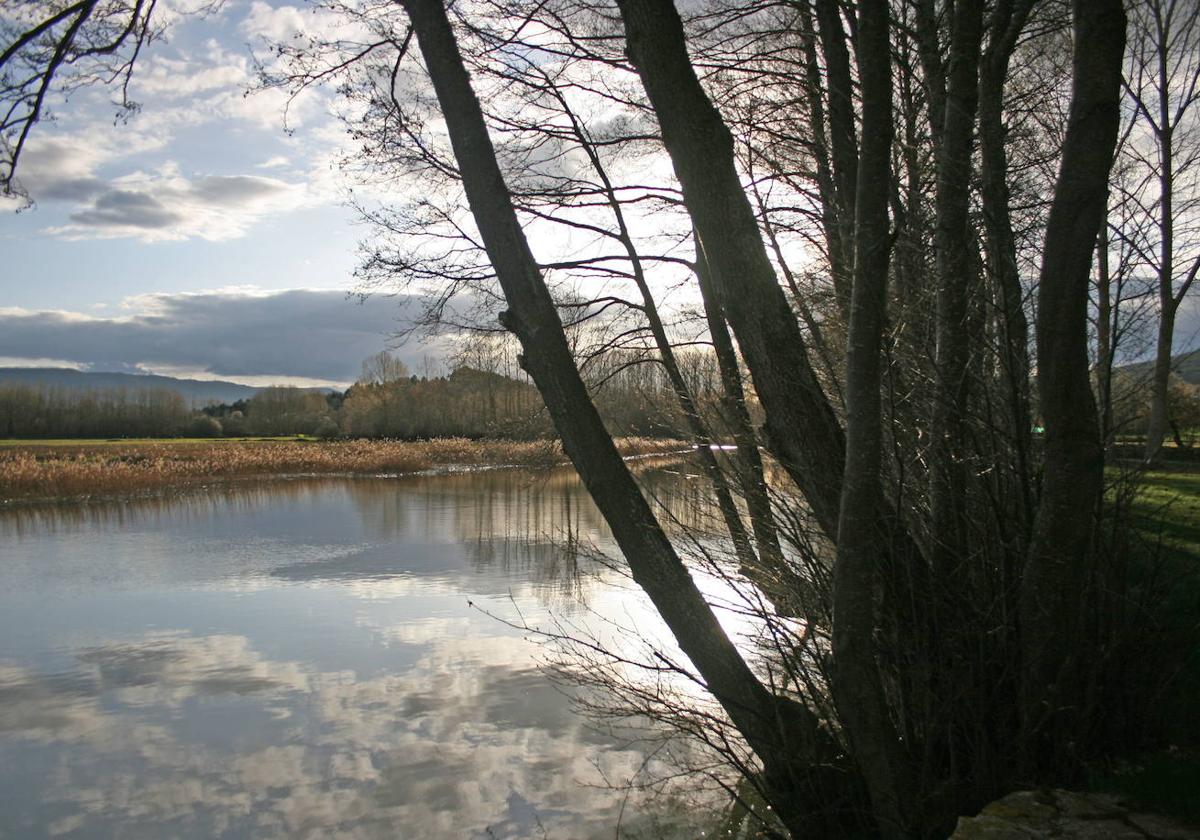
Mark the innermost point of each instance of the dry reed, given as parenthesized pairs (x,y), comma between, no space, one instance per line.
(74,471)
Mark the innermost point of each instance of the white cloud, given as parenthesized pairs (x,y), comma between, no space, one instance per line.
(275,23)
(187,76)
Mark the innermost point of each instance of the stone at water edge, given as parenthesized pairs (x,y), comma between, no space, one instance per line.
(1028,815)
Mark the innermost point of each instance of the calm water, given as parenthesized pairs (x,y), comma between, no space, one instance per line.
(301,659)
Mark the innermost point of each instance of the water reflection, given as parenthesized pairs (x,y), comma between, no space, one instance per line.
(298,659)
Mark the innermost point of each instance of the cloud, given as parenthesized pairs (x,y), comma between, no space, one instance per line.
(122,181)
(62,167)
(298,335)
(235,190)
(278,23)
(122,209)
(165,205)
(162,204)
(190,75)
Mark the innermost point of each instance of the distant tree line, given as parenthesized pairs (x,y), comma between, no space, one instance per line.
(633,395)
(32,411)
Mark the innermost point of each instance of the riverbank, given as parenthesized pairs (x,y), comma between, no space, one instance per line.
(32,471)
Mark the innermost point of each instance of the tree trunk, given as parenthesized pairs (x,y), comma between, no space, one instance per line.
(830,206)
(1160,383)
(750,470)
(1156,430)
(1006,22)
(784,734)
(842,141)
(687,403)
(802,430)
(862,538)
(1051,601)
(1104,335)
(948,467)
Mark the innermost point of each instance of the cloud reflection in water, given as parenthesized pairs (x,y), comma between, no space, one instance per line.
(298,659)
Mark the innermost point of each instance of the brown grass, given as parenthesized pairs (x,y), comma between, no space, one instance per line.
(82,470)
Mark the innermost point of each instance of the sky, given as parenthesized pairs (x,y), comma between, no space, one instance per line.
(199,238)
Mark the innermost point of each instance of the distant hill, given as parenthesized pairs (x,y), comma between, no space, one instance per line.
(1185,365)
(197,392)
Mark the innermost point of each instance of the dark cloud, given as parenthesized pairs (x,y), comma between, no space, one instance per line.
(301,333)
(70,189)
(58,169)
(235,190)
(122,209)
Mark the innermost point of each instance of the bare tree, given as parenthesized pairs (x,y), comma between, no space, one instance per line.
(64,45)
(382,368)
(933,640)
(779,730)
(1163,83)
(1051,615)
(862,532)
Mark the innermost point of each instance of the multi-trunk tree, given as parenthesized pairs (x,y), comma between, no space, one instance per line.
(833,186)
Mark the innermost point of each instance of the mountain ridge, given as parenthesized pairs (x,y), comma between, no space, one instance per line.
(197,392)
(1184,365)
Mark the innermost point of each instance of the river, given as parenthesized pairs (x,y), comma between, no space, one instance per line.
(315,658)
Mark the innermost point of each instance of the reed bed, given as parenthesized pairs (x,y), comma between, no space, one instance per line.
(83,470)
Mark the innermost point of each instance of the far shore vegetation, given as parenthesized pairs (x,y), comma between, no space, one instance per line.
(45,470)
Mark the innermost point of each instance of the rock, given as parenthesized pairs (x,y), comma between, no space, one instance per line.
(1024,803)
(1067,815)
(986,827)
(1161,828)
(1086,829)
(1086,806)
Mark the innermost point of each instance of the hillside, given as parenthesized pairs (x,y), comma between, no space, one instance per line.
(1185,365)
(196,392)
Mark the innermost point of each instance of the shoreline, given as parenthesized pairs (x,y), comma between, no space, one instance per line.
(83,471)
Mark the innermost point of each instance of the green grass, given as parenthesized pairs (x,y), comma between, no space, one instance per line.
(1165,511)
(1167,504)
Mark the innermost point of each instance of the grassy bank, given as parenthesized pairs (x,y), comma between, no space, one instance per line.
(79,469)
(1167,507)
(1164,511)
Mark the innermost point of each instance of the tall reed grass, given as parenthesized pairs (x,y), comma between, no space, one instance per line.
(74,471)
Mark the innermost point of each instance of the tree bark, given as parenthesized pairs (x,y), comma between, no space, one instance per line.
(1006,22)
(842,140)
(862,545)
(948,468)
(1054,574)
(839,253)
(1164,133)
